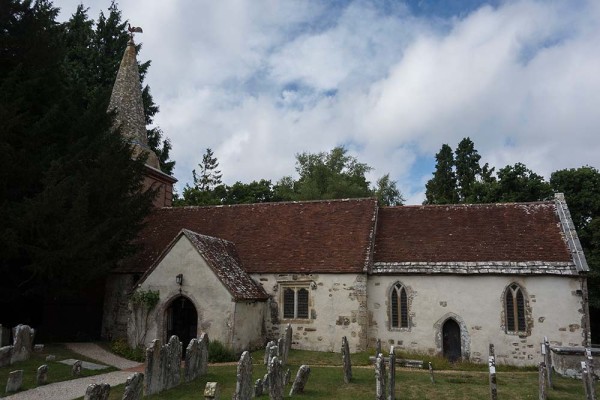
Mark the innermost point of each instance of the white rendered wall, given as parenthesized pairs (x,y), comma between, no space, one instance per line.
(337,308)
(555,311)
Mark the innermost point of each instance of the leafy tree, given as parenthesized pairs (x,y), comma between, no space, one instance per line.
(517,183)
(209,176)
(387,193)
(71,195)
(441,189)
(468,169)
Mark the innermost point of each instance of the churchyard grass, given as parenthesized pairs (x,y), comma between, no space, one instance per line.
(326,382)
(57,372)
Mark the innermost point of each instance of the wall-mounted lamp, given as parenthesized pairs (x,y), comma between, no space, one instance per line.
(179,279)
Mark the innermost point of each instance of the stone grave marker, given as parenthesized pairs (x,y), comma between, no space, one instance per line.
(392,375)
(97,391)
(162,369)
(347,364)
(301,379)
(492,379)
(243,387)
(542,381)
(41,377)
(267,351)
(286,377)
(265,383)
(378,348)
(134,387)
(212,391)
(15,381)
(23,336)
(380,376)
(288,336)
(431,377)
(50,357)
(275,379)
(5,355)
(172,370)
(258,388)
(38,348)
(76,369)
(203,347)
(280,349)
(192,360)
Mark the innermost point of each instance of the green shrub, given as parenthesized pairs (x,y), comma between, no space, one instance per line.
(122,348)
(217,352)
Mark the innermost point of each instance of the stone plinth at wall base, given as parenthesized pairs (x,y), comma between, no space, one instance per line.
(566,361)
(212,391)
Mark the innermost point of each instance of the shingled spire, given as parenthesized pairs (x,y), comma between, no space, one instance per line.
(126,100)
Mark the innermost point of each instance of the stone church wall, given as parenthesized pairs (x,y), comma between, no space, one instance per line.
(115,313)
(553,309)
(337,308)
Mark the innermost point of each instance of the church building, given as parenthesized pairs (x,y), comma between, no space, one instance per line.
(441,279)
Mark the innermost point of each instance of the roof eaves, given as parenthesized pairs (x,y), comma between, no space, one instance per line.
(570,234)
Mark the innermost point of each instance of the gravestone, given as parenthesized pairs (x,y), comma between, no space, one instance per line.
(134,387)
(380,376)
(275,379)
(15,380)
(286,377)
(267,352)
(392,375)
(431,377)
(212,391)
(203,348)
(5,355)
(243,387)
(273,352)
(50,357)
(38,348)
(492,378)
(195,357)
(22,343)
(258,388)
(265,383)
(347,364)
(163,363)
(280,349)
(41,377)
(288,336)
(301,379)
(76,369)
(97,391)
(378,348)
(542,381)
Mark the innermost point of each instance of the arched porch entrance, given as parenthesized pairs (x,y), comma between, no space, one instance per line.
(182,320)
(451,345)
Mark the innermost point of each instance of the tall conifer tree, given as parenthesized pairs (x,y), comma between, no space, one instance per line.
(441,189)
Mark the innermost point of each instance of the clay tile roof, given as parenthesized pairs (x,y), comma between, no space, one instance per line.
(291,237)
(223,259)
(513,232)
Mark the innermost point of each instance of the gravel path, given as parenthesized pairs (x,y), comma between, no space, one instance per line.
(75,388)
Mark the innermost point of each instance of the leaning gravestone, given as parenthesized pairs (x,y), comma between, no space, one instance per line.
(163,365)
(275,379)
(346,360)
(286,377)
(134,387)
(301,379)
(267,351)
(265,383)
(243,387)
(212,391)
(15,380)
(22,343)
(5,355)
(192,361)
(380,377)
(76,369)
(392,375)
(173,363)
(41,377)
(97,391)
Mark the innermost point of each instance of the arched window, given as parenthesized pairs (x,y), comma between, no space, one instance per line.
(514,304)
(398,307)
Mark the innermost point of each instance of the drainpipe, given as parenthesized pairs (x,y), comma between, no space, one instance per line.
(586,311)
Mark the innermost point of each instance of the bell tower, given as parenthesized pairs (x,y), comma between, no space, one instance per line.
(126,102)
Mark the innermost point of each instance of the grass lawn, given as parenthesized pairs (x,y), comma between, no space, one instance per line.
(326,382)
(56,371)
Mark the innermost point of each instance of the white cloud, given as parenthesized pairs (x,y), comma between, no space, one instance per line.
(260,81)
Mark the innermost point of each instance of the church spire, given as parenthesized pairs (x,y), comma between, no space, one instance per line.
(126,101)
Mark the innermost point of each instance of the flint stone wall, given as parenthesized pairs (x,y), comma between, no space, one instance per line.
(23,336)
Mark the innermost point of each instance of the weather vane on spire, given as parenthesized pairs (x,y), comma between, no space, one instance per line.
(133,29)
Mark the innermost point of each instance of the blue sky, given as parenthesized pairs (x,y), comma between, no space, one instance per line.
(260,81)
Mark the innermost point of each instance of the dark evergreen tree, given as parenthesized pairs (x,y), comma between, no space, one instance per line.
(467,168)
(71,195)
(441,189)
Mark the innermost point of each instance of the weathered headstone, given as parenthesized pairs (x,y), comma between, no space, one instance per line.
(288,336)
(542,381)
(76,369)
(212,391)
(258,388)
(196,358)
(38,348)
(50,357)
(134,387)
(163,363)
(286,377)
(301,379)
(392,375)
(590,371)
(23,336)
(15,380)
(97,391)
(492,379)
(380,376)
(275,379)
(547,360)
(41,377)
(5,355)
(347,364)
(203,347)
(265,383)
(267,351)
(281,345)
(431,373)
(243,387)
